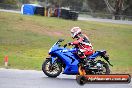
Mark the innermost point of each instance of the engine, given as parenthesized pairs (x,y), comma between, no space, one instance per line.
(93,67)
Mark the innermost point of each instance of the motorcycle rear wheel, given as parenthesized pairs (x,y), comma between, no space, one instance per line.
(105,66)
(50,71)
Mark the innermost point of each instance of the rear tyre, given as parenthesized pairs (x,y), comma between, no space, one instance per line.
(51,70)
(106,69)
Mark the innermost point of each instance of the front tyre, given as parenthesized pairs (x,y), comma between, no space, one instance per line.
(51,70)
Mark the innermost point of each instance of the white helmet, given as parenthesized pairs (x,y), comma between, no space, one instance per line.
(75,31)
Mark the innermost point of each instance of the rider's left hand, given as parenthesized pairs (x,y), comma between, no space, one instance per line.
(65,45)
(69,43)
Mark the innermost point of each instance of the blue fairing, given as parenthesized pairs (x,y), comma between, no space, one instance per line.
(68,57)
(70,61)
(96,54)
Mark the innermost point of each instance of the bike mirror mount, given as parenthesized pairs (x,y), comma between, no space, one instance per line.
(60,40)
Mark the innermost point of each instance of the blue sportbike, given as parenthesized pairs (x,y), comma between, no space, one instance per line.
(67,61)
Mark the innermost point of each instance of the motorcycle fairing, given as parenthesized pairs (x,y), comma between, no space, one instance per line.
(96,54)
(69,60)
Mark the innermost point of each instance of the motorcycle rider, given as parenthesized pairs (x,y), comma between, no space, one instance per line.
(82,42)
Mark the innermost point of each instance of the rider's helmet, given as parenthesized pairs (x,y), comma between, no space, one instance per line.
(75,31)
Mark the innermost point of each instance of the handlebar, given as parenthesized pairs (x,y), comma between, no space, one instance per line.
(60,40)
(65,45)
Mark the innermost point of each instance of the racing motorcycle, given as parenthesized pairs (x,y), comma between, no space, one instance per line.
(65,60)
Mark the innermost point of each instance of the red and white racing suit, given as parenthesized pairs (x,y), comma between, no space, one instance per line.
(84,45)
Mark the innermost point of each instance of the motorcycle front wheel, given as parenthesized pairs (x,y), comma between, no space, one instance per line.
(51,70)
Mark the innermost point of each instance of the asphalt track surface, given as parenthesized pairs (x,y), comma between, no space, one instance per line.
(86,19)
(13,78)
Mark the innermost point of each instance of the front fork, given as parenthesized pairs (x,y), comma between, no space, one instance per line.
(52,59)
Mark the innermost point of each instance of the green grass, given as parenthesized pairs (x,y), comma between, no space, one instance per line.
(27,39)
